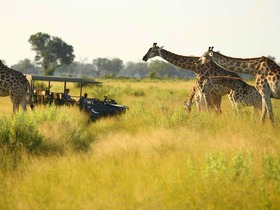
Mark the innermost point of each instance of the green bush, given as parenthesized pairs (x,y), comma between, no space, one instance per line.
(18,135)
(19,131)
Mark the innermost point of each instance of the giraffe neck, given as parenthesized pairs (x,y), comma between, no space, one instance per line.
(241,65)
(210,69)
(233,83)
(185,62)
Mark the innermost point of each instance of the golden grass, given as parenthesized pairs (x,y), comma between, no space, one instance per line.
(153,157)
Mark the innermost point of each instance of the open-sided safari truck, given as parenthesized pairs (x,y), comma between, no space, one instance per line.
(95,107)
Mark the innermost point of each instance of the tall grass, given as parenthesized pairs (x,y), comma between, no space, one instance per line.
(153,157)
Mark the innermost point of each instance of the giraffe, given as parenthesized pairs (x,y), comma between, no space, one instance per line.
(266,71)
(188,105)
(14,84)
(213,97)
(242,93)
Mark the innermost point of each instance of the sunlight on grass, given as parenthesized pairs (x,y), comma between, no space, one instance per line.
(153,157)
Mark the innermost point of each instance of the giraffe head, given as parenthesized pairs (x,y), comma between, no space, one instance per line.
(152,52)
(205,58)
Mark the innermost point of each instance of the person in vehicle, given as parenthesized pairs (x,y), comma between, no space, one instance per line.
(82,101)
(67,98)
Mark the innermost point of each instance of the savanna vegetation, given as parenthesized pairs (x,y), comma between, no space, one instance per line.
(156,156)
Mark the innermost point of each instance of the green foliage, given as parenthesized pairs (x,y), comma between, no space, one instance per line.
(153,75)
(219,165)
(20,131)
(40,85)
(163,69)
(51,52)
(160,156)
(18,135)
(107,67)
(271,169)
(26,67)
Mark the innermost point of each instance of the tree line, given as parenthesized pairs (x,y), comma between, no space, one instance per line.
(56,57)
(105,67)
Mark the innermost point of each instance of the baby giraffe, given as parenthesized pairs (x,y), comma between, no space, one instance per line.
(242,93)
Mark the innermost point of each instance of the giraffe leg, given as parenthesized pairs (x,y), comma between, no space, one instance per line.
(233,100)
(217,104)
(16,101)
(23,102)
(206,102)
(268,108)
(264,110)
(15,106)
(23,105)
(266,105)
(200,101)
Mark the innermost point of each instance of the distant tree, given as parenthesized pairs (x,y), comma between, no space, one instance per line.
(163,69)
(26,67)
(116,66)
(101,64)
(107,67)
(136,69)
(51,52)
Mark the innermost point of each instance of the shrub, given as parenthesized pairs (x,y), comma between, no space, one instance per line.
(19,131)
(18,135)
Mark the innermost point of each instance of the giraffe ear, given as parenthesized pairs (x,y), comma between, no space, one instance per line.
(161,47)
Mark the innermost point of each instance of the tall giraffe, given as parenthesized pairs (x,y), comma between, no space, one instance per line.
(250,96)
(14,84)
(214,95)
(266,71)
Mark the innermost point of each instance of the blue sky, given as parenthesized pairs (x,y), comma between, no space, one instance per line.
(126,28)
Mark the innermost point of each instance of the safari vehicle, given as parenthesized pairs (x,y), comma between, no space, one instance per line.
(95,107)
(46,96)
(98,108)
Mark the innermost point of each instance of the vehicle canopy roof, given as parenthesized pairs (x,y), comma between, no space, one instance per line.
(49,79)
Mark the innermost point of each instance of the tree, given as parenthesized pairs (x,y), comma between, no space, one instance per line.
(107,67)
(51,52)
(136,69)
(163,69)
(100,65)
(26,67)
(116,66)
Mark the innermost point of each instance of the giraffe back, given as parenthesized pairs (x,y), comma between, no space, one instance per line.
(241,92)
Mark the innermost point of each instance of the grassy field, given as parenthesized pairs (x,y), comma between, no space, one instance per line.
(155,156)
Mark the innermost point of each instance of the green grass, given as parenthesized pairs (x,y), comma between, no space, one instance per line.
(153,157)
